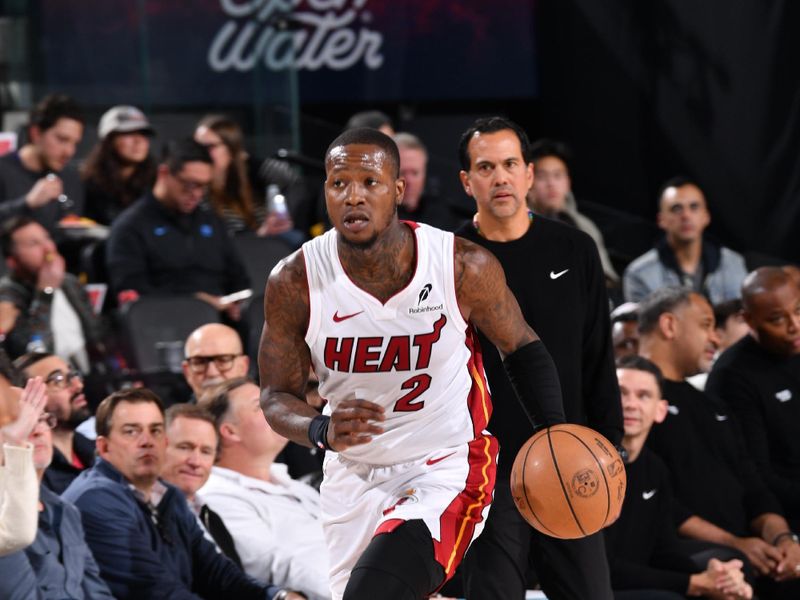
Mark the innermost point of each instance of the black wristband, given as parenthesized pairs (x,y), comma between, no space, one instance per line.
(533,375)
(318,432)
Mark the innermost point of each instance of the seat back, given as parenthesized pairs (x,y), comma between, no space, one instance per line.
(156,329)
(260,255)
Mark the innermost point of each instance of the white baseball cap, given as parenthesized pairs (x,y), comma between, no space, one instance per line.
(123,119)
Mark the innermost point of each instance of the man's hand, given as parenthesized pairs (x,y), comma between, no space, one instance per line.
(763,556)
(44,191)
(31,406)
(789,564)
(275,224)
(51,274)
(721,581)
(353,423)
(232,309)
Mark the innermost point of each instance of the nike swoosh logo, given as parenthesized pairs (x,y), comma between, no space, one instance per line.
(554,275)
(433,461)
(648,495)
(721,418)
(338,319)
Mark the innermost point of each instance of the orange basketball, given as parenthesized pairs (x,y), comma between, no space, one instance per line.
(568,481)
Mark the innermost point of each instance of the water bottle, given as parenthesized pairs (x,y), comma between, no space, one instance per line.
(276,202)
(36,344)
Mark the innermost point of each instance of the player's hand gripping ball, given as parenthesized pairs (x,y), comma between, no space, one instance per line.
(568,481)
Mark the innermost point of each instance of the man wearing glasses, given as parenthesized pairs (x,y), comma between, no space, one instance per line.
(72,451)
(171,242)
(58,564)
(213,354)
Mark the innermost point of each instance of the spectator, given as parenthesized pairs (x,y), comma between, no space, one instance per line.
(730,323)
(683,256)
(712,474)
(42,307)
(274,520)
(214,354)
(625,330)
(374,119)
(36,180)
(18,485)
(759,377)
(145,539)
(237,186)
(192,445)
(169,243)
(72,452)
(645,554)
(58,564)
(419,203)
(551,196)
(119,169)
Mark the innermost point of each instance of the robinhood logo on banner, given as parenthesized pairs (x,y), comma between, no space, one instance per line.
(321,34)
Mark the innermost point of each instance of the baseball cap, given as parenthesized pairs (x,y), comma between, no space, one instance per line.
(123,119)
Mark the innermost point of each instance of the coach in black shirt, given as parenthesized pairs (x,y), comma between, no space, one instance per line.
(555,273)
(701,443)
(759,377)
(170,243)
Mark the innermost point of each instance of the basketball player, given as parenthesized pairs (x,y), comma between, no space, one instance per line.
(555,273)
(383,310)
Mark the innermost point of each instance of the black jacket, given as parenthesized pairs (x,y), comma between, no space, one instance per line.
(154,250)
(763,390)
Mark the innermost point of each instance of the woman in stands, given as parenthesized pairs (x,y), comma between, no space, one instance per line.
(119,169)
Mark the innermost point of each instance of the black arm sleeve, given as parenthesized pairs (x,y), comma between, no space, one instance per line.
(533,375)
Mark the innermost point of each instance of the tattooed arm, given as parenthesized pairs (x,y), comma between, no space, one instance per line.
(284,360)
(283,357)
(486,301)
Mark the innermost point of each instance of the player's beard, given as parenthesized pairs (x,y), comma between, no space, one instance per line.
(369,243)
(76,417)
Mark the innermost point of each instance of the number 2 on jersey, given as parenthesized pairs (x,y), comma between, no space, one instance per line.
(417,386)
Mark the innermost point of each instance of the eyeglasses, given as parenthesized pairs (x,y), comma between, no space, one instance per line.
(62,380)
(191,187)
(211,145)
(48,419)
(223,362)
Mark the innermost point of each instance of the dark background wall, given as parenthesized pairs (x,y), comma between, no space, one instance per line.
(641,90)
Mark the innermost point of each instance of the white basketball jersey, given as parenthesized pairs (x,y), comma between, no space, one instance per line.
(414,355)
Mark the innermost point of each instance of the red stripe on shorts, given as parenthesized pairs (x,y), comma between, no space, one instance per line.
(457,523)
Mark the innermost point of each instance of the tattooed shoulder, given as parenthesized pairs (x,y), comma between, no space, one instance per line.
(287,291)
(477,273)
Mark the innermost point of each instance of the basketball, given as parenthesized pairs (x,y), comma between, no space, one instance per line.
(568,481)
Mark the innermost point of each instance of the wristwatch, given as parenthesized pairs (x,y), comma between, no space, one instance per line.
(786,534)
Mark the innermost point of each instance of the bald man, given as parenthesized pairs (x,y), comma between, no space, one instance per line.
(214,354)
(759,377)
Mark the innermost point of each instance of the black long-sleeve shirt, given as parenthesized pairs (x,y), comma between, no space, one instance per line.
(763,390)
(711,471)
(555,273)
(16,180)
(642,545)
(154,250)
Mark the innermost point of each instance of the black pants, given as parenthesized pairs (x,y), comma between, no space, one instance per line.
(496,565)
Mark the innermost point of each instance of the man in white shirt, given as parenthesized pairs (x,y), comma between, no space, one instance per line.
(274,520)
